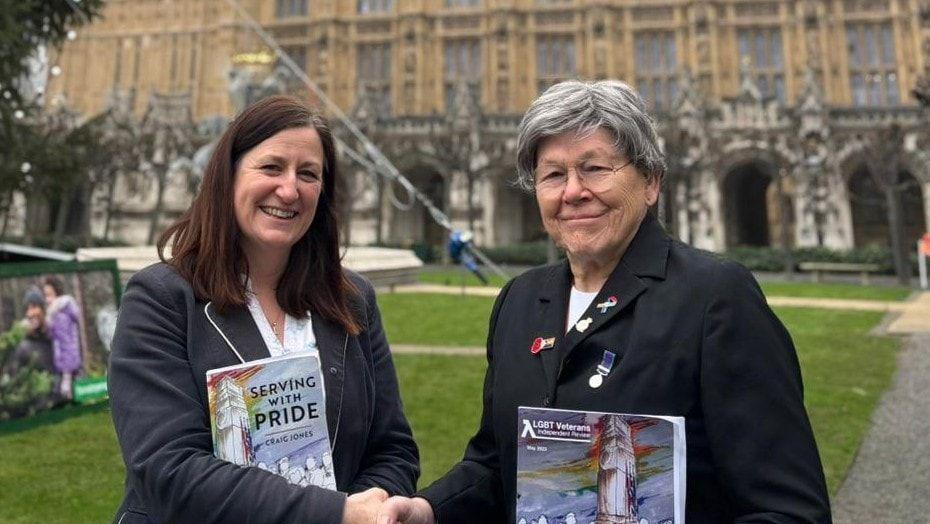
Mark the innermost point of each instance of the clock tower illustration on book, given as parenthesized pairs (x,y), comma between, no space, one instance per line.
(616,476)
(232,424)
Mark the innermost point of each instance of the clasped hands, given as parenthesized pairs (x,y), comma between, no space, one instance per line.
(373,506)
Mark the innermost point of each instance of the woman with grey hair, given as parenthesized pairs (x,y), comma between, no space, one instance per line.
(632,322)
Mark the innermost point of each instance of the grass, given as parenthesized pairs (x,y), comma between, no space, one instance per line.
(845,371)
(442,399)
(60,466)
(459,277)
(835,290)
(444,320)
(67,466)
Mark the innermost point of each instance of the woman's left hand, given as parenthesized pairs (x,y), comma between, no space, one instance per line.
(362,508)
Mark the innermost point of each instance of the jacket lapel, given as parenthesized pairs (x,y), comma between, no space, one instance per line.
(553,308)
(237,327)
(623,287)
(646,256)
(332,343)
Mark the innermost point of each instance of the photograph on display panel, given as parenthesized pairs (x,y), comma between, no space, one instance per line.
(56,323)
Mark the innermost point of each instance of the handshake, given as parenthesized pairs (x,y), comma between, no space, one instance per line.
(373,506)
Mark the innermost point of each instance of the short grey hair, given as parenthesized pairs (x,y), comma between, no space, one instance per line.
(583,108)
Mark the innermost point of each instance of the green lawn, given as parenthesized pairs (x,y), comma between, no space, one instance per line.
(845,371)
(442,399)
(458,277)
(60,466)
(444,320)
(63,466)
(834,290)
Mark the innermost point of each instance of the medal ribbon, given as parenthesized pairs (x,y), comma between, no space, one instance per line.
(607,362)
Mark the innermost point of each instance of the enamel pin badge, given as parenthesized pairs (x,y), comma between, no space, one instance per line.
(582,325)
(607,304)
(541,343)
(603,369)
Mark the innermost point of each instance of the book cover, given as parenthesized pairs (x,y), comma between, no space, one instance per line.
(585,467)
(271,414)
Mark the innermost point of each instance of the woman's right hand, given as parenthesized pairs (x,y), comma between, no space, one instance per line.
(405,510)
(362,508)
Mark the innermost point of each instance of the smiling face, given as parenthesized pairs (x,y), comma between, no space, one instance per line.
(595,226)
(276,190)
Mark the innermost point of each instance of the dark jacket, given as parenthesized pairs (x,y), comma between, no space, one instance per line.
(694,337)
(164,345)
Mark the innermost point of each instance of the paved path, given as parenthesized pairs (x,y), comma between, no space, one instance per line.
(839,303)
(889,481)
(914,319)
(436,350)
(481,291)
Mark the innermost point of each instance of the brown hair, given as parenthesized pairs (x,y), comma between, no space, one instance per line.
(55,283)
(205,240)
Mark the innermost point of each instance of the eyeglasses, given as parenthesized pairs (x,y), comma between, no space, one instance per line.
(596,175)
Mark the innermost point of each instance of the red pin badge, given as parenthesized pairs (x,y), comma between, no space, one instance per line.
(540,344)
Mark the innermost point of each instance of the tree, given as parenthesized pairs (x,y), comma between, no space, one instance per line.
(681,168)
(61,151)
(677,135)
(884,158)
(28,30)
(456,147)
(116,153)
(168,141)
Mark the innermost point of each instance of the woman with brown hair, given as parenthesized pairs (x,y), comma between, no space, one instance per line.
(255,272)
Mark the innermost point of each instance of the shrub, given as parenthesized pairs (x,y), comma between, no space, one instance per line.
(425,252)
(30,388)
(757,258)
(9,339)
(772,259)
(523,254)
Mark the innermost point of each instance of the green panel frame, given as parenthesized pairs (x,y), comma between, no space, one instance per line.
(28,269)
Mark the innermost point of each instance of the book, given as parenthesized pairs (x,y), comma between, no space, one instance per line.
(271,414)
(584,467)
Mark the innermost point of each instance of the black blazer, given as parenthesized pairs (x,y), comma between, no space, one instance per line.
(164,345)
(694,338)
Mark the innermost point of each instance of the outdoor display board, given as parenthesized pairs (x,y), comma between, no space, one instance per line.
(56,323)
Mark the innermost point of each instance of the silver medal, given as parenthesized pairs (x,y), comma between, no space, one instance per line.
(603,369)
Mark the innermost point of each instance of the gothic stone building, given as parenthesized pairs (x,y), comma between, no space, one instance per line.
(771,110)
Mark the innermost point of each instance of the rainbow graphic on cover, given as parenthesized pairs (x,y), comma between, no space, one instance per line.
(271,414)
(586,467)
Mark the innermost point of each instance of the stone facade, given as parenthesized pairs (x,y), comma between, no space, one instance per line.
(767,108)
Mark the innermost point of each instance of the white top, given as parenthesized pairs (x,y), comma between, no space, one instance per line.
(298,332)
(578,303)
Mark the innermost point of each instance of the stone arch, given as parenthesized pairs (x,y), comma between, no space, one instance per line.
(415,225)
(750,203)
(869,206)
(516,214)
(411,224)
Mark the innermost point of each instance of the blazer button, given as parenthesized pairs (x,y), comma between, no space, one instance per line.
(546,402)
(332,370)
